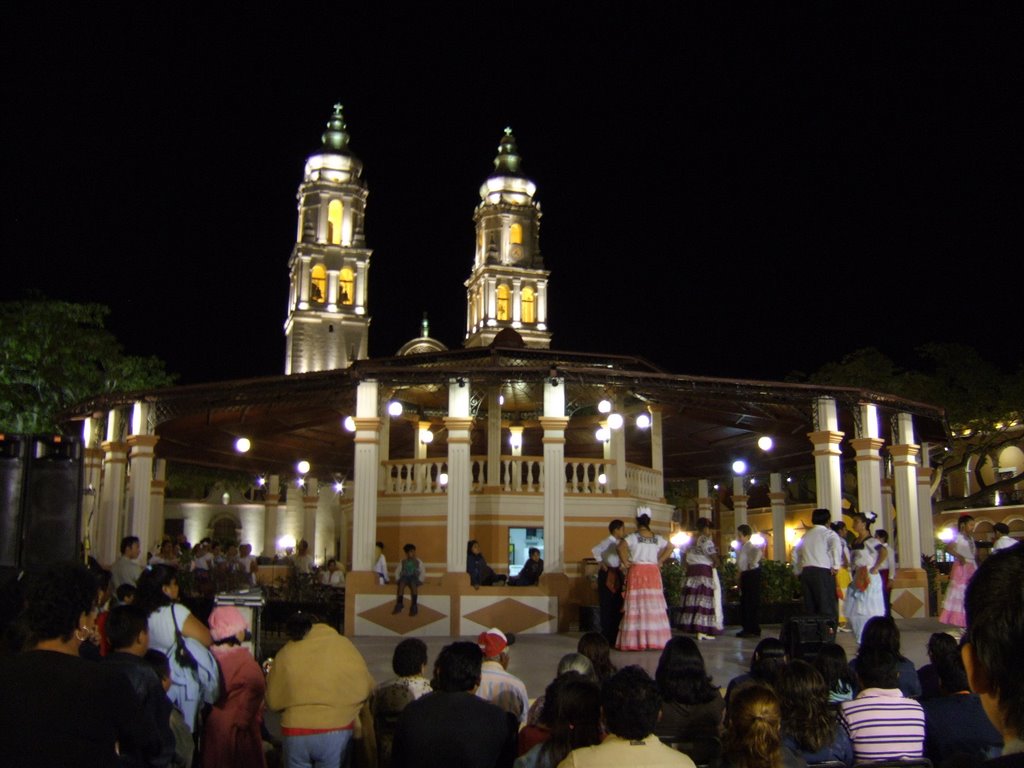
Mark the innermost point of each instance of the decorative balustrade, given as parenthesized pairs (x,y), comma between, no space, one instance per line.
(644,482)
(520,474)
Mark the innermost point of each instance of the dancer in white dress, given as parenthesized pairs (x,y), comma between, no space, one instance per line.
(864,597)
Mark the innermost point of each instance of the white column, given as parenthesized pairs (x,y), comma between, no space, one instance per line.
(617,448)
(554,422)
(332,289)
(889,516)
(460,476)
(360,290)
(924,501)
(909,587)
(303,281)
(384,450)
(739,501)
(827,469)
(491,300)
(310,500)
(515,440)
(657,427)
(156,501)
(869,462)
(115,460)
(141,444)
(270,516)
(92,461)
(364,513)
(542,301)
(494,439)
(517,285)
(778,500)
(705,504)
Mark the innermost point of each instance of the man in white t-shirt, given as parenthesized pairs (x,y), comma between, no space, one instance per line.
(610,580)
(1005,540)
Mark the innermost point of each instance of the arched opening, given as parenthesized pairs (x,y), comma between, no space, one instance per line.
(515,234)
(318,284)
(335,210)
(346,286)
(529,305)
(502,308)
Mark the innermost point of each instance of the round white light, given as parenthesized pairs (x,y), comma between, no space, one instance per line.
(261,481)
(604,406)
(615,420)
(442,479)
(242,445)
(286,542)
(715,486)
(603,435)
(339,487)
(757,540)
(395,408)
(739,467)
(302,467)
(753,481)
(515,439)
(734,544)
(426,436)
(501,399)
(349,423)
(946,535)
(643,421)
(680,539)
(765,443)
(299,482)
(602,479)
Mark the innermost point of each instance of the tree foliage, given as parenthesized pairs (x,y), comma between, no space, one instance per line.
(983,403)
(54,354)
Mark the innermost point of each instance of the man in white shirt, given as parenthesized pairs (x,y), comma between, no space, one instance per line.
(1005,540)
(497,684)
(609,580)
(816,559)
(125,569)
(748,564)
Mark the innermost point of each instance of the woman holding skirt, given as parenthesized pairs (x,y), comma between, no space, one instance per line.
(701,599)
(864,593)
(644,614)
(962,549)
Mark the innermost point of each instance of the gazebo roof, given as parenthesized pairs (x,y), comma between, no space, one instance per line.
(707,422)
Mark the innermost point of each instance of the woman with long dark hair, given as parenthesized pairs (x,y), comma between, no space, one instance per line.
(595,647)
(645,616)
(864,594)
(809,725)
(833,666)
(576,722)
(702,613)
(180,636)
(753,732)
(881,635)
(766,664)
(965,564)
(691,703)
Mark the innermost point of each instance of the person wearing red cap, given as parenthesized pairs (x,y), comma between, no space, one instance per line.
(232,733)
(497,684)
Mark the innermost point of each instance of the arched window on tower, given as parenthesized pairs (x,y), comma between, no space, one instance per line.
(318,284)
(335,210)
(515,234)
(502,309)
(528,309)
(346,286)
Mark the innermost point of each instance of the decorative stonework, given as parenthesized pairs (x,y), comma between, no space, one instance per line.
(526,614)
(375,616)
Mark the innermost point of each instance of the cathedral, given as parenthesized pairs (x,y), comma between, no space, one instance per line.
(506,441)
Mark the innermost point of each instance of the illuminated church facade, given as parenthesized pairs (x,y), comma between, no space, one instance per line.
(505,441)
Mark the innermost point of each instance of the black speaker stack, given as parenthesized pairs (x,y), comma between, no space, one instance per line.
(40,501)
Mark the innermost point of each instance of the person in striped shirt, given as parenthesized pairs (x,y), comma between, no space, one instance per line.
(881,723)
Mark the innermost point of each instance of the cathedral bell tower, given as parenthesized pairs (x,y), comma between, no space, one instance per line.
(327,323)
(508,287)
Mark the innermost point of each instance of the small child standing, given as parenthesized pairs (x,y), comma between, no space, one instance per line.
(409,573)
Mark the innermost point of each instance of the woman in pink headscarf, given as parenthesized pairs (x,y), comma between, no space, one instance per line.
(232,734)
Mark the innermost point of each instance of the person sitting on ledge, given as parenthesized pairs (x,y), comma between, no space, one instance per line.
(531,571)
(409,573)
(480,573)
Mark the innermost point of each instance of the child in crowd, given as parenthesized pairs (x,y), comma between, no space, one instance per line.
(833,665)
(184,746)
(380,567)
(126,594)
(531,570)
(409,573)
(247,563)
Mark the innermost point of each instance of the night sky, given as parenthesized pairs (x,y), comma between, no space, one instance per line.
(741,195)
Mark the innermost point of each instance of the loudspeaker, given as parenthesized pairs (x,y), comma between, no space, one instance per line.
(52,502)
(13,460)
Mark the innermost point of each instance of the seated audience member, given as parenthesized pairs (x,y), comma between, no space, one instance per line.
(128,633)
(631,706)
(831,662)
(994,605)
(882,634)
(530,573)
(753,735)
(232,732)
(956,726)
(939,644)
(596,647)
(184,744)
(539,730)
(497,684)
(452,726)
(690,702)
(58,709)
(1004,540)
(766,664)
(480,573)
(126,594)
(333,575)
(809,726)
(881,722)
(576,722)
(410,573)
(571,662)
(409,662)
